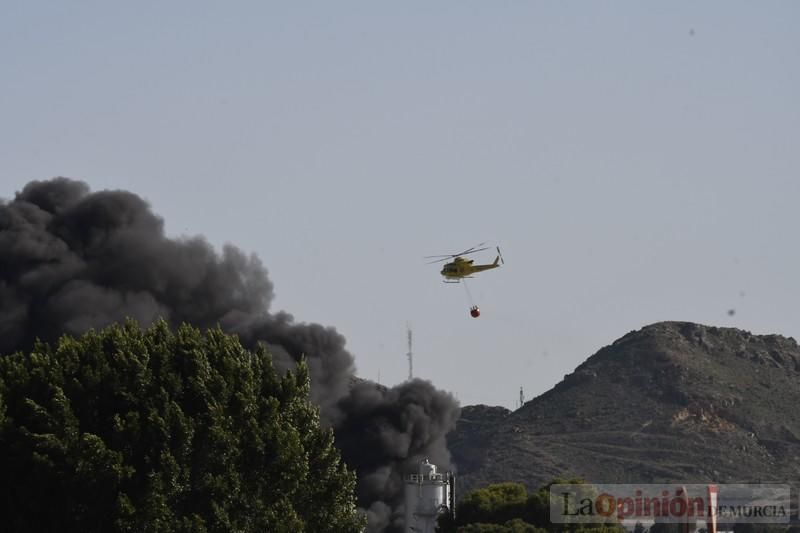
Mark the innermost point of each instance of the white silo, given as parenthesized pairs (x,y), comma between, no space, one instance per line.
(428,495)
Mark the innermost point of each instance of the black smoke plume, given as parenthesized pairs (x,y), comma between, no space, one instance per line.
(71,260)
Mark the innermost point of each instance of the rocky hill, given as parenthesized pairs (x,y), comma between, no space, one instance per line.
(672,402)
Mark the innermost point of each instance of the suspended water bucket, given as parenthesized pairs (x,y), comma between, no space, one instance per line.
(474,311)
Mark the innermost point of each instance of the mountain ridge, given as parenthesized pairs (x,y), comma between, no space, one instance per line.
(670,402)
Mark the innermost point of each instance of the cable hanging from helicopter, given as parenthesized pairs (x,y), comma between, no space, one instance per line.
(458,268)
(474,310)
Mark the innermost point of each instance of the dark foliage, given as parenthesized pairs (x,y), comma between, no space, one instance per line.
(509,508)
(153,431)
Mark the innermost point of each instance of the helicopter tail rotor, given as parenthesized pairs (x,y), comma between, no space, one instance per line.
(500,255)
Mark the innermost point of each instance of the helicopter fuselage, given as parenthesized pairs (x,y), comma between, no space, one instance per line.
(463,268)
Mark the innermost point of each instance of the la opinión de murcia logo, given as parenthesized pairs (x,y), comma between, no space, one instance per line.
(583,503)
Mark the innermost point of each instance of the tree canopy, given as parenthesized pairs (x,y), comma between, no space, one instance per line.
(156,431)
(510,508)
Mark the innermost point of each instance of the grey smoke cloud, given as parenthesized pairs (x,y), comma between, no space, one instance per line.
(72,259)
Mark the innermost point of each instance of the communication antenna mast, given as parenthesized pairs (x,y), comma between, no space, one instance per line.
(521,397)
(410,354)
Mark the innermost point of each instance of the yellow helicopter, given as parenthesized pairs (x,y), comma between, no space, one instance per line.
(460,268)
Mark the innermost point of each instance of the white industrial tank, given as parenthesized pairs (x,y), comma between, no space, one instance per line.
(428,495)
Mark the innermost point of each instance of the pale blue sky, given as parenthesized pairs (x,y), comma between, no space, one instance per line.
(636,161)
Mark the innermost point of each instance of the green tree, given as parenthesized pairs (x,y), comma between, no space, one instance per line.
(159,432)
(512,526)
(509,508)
(494,504)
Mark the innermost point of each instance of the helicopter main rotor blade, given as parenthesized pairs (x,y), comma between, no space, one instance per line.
(477,248)
(439,260)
